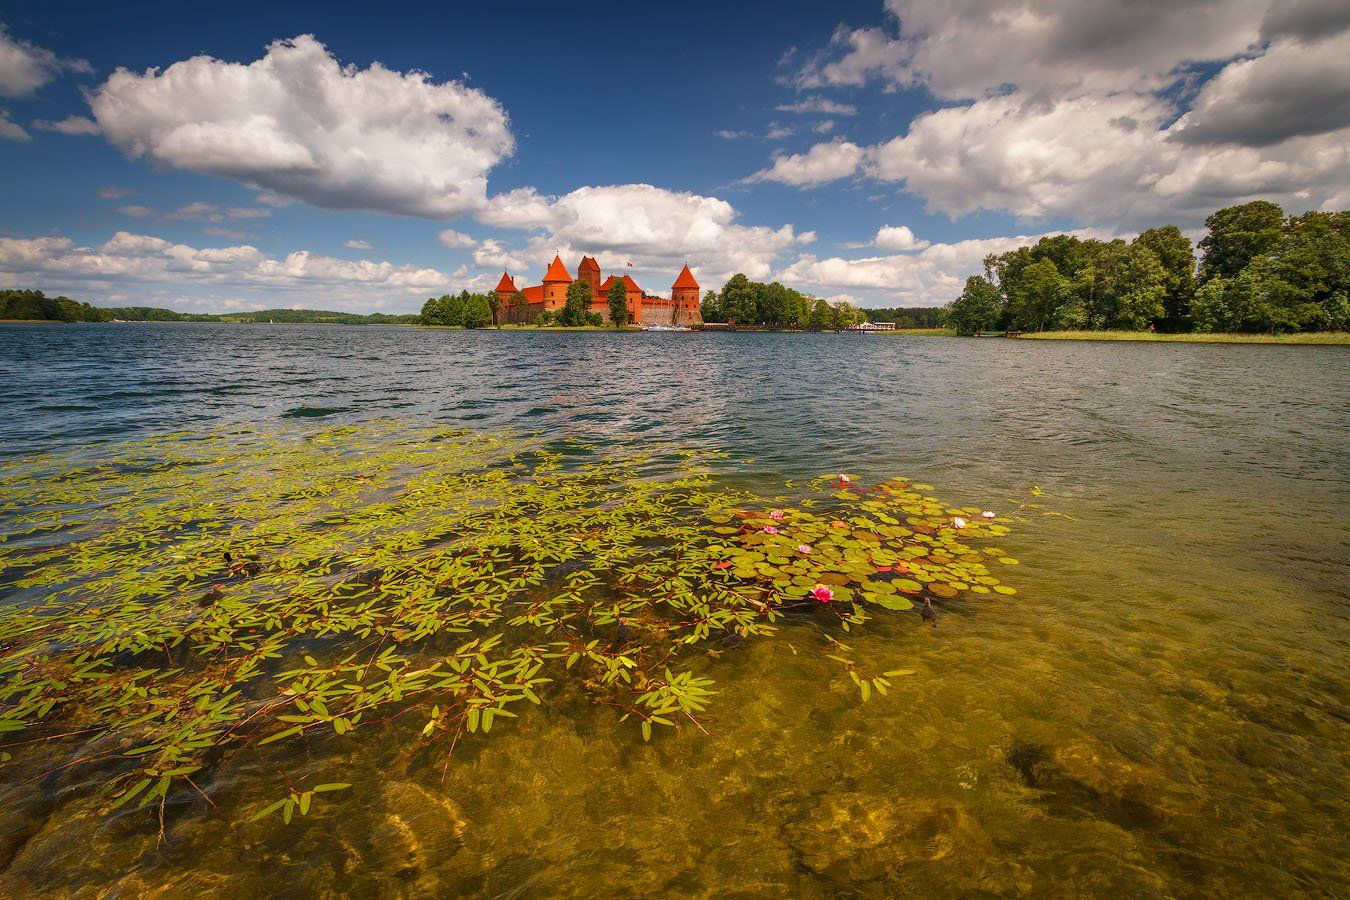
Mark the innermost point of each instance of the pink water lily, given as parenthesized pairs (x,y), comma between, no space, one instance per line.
(987,514)
(769,529)
(803,548)
(776,515)
(958,522)
(821,593)
(844,479)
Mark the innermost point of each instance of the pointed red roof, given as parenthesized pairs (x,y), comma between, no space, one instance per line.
(556,271)
(588,262)
(685,279)
(506,284)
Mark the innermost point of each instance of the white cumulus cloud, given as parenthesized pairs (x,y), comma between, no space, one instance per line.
(654,228)
(977,48)
(897,239)
(1293,90)
(456,240)
(1097,111)
(146,264)
(25,67)
(493,254)
(297,123)
(822,163)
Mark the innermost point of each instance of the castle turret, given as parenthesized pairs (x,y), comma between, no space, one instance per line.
(588,270)
(556,280)
(505,290)
(684,299)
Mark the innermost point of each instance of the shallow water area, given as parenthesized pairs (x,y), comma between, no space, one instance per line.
(1161,709)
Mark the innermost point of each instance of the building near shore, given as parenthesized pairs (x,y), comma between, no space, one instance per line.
(680,308)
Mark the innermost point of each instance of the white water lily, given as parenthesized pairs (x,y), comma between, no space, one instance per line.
(844,478)
(987,514)
(958,522)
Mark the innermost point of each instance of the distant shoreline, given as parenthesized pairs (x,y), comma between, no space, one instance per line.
(1318,338)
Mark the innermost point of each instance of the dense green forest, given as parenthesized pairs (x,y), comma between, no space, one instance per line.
(463,309)
(34,306)
(745,302)
(1258,272)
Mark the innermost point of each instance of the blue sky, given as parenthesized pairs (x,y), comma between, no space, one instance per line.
(367,156)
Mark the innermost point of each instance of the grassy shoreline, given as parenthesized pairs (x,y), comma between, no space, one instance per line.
(1319,337)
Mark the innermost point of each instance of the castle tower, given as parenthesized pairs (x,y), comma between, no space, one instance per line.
(556,280)
(588,270)
(684,299)
(506,289)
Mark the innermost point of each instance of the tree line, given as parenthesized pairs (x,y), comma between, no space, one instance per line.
(753,303)
(909,316)
(35,306)
(463,309)
(1258,271)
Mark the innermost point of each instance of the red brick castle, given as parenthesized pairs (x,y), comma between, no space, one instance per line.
(680,309)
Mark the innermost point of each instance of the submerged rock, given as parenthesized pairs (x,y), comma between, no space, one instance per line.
(859,837)
(1082,775)
(421,830)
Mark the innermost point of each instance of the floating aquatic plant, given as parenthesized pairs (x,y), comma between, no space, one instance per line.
(179,601)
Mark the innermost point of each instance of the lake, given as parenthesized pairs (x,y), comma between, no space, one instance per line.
(1162,709)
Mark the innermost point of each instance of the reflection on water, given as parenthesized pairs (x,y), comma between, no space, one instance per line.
(1162,709)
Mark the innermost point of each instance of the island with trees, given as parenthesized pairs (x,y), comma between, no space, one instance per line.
(1255,274)
(1259,272)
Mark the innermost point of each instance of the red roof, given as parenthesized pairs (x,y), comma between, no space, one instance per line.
(588,262)
(556,271)
(506,284)
(534,294)
(628,282)
(685,279)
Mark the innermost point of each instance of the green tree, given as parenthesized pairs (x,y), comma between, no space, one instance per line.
(1177,257)
(845,315)
(711,308)
(821,315)
(1036,295)
(799,309)
(476,313)
(434,311)
(494,301)
(979,307)
(454,308)
(545,318)
(1120,286)
(1262,300)
(738,301)
(576,304)
(1210,307)
(1314,259)
(618,303)
(1237,235)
